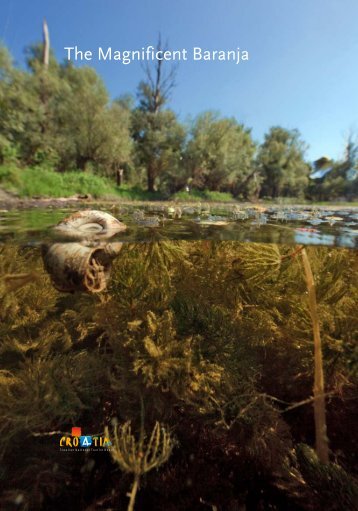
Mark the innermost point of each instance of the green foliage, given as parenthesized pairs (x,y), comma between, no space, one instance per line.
(10,177)
(60,117)
(158,140)
(91,130)
(157,134)
(220,155)
(281,163)
(44,182)
(203,195)
(342,177)
(128,192)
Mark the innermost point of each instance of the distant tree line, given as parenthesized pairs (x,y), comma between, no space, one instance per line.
(61,116)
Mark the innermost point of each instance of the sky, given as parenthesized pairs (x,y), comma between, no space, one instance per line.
(302,70)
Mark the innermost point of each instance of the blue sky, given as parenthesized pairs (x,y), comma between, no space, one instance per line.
(302,72)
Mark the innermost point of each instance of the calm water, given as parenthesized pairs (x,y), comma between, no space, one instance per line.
(312,226)
(186,341)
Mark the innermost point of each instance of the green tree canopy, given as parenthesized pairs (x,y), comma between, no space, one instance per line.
(220,155)
(158,135)
(282,165)
(159,139)
(60,115)
(341,178)
(91,130)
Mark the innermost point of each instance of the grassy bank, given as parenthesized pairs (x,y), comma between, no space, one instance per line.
(44,182)
(38,181)
(32,182)
(203,195)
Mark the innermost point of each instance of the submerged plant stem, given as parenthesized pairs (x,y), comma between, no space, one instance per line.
(318,388)
(132,495)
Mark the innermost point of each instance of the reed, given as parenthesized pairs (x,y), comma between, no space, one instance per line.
(319,403)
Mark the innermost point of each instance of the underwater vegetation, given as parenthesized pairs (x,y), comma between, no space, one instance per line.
(198,361)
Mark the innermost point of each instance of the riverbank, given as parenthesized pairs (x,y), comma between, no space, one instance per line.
(29,187)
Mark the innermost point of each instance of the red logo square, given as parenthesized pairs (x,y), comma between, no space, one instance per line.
(76,432)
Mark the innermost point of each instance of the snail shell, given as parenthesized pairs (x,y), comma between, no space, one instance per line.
(90,224)
(83,264)
(77,267)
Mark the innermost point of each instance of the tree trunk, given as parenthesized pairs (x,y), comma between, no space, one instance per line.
(82,162)
(119,177)
(151,177)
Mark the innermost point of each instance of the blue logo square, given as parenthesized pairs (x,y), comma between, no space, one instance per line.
(85,441)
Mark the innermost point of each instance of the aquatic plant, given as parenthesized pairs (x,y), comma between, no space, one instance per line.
(336,489)
(221,351)
(139,456)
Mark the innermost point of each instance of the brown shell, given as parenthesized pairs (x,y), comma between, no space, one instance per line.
(77,267)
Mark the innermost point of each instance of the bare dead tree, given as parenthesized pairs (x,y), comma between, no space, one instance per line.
(153,93)
(119,176)
(157,87)
(46,40)
(44,94)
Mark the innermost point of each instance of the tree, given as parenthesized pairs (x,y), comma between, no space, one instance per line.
(60,115)
(90,129)
(10,122)
(220,155)
(29,103)
(45,88)
(339,178)
(282,165)
(158,135)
